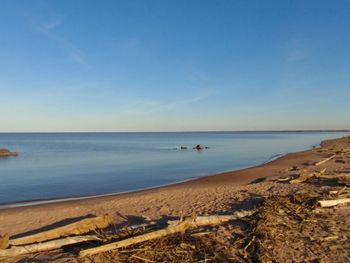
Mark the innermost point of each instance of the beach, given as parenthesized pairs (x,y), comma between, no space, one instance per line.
(174,131)
(69,165)
(217,194)
(191,196)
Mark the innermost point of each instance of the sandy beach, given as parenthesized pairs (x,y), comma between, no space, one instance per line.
(174,131)
(218,194)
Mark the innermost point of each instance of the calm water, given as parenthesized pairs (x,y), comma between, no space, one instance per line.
(55,165)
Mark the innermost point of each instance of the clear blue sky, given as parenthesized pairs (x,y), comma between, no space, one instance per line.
(174,65)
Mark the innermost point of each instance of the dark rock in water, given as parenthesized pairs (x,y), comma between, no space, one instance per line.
(183,148)
(199,147)
(7,153)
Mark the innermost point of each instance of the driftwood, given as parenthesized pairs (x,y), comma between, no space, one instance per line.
(53,244)
(341,178)
(45,246)
(283,179)
(4,241)
(181,226)
(342,193)
(335,176)
(325,160)
(305,175)
(330,203)
(77,228)
(214,219)
(200,234)
(329,238)
(333,192)
(300,179)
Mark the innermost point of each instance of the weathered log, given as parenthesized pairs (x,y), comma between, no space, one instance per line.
(283,179)
(4,241)
(339,176)
(181,226)
(305,175)
(334,176)
(325,160)
(330,203)
(214,219)
(77,228)
(45,246)
(302,177)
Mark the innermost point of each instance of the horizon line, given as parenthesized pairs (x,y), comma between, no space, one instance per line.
(191,131)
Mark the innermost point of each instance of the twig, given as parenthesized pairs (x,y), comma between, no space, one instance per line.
(144,259)
(325,160)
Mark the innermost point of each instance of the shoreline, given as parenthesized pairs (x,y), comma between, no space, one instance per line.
(212,131)
(35,202)
(204,195)
(28,203)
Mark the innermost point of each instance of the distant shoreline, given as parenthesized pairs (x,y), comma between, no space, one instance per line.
(219,131)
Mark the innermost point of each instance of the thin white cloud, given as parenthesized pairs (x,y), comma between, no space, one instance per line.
(49,27)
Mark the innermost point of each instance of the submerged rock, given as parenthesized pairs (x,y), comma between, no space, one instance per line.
(199,147)
(7,153)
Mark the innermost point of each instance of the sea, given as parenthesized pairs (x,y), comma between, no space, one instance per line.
(55,166)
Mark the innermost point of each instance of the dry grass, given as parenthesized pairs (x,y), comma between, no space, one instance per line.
(175,248)
(292,228)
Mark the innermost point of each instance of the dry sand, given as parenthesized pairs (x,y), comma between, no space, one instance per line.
(217,194)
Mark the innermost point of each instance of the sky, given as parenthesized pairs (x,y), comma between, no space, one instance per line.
(161,65)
